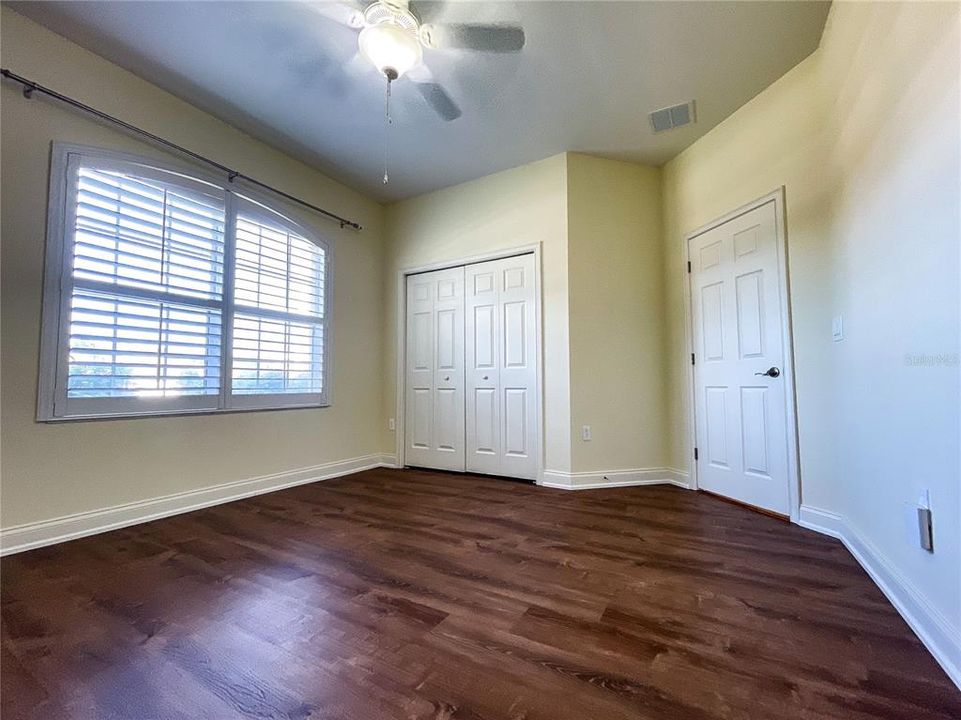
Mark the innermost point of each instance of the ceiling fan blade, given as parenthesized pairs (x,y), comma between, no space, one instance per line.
(425,10)
(439,100)
(357,65)
(482,38)
(346,12)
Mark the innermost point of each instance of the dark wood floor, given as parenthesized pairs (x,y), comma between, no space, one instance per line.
(401,594)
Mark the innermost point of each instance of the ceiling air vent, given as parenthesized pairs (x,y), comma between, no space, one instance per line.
(672,117)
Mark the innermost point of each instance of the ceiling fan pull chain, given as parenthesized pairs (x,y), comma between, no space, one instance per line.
(387,130)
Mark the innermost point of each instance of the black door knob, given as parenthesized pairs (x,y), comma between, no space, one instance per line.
(770,372)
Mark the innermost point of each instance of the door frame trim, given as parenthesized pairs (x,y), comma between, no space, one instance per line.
(400,327)
(787,340)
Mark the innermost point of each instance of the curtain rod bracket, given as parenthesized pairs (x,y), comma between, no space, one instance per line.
(29,87)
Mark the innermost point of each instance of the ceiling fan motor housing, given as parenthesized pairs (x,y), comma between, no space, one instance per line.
(391,38)
(397,13)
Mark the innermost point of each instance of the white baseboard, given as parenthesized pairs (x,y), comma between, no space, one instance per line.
(613,478)
(939,636)
(822,521)
(388,460)
(69,527)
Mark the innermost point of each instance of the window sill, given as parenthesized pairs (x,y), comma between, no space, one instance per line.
(177,413)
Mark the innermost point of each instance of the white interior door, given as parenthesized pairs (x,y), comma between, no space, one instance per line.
(740,398)
(435,370)
(501,371)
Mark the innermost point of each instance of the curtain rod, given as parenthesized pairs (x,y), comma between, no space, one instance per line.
(29,87)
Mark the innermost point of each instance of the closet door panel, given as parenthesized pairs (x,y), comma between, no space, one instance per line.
(483,401)
(435,370)
(518,367)
(501,419)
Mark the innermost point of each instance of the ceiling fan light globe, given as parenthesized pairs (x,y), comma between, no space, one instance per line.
(390,48)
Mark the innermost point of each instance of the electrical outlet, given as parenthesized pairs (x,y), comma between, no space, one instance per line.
(585,433)
(925,529)
(925,522)
(391,425)
(837,328)
(919,521)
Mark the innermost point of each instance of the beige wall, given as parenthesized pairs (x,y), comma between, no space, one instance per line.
(617,324)
(774,140)
(891,72)
(598,223)
(51,470)
(514,208)
(864,134)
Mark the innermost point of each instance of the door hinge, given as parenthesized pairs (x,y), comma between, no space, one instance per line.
(692,358)
(695,453)
(689,267)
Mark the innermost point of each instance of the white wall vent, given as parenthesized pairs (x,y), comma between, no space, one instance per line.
(672,117)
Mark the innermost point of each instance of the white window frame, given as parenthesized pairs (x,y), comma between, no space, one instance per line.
(52,401)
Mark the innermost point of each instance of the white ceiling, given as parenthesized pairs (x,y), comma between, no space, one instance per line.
(585,81)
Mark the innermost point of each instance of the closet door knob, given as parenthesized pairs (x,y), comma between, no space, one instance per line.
(447,379)
(485,377)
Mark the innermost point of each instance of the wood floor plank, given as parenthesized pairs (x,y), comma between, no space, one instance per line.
(428,595)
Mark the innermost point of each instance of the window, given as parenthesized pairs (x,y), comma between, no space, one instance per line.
(169,293)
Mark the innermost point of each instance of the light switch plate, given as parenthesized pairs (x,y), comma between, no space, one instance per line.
(837,328)
(585,433)
(391,424)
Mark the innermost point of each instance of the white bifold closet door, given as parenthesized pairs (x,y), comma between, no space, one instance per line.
(501,367)
(472,369)
(435,370)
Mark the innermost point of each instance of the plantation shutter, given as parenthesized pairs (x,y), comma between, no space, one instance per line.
(177,295)
(146,270)
(280,319)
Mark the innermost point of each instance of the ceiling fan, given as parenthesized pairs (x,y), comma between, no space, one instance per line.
(394,33)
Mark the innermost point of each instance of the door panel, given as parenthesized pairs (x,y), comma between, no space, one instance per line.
(421,340)
(515,422)
(712,323)
(446,408)
(435,370)
(740,414)
(754,427)
(716,418)
(518,371)
(448,339)
(750,320)
(482,336)
(484,342)
(483,283)
(515,331)
(501,373)
(485,421)
(420,423)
